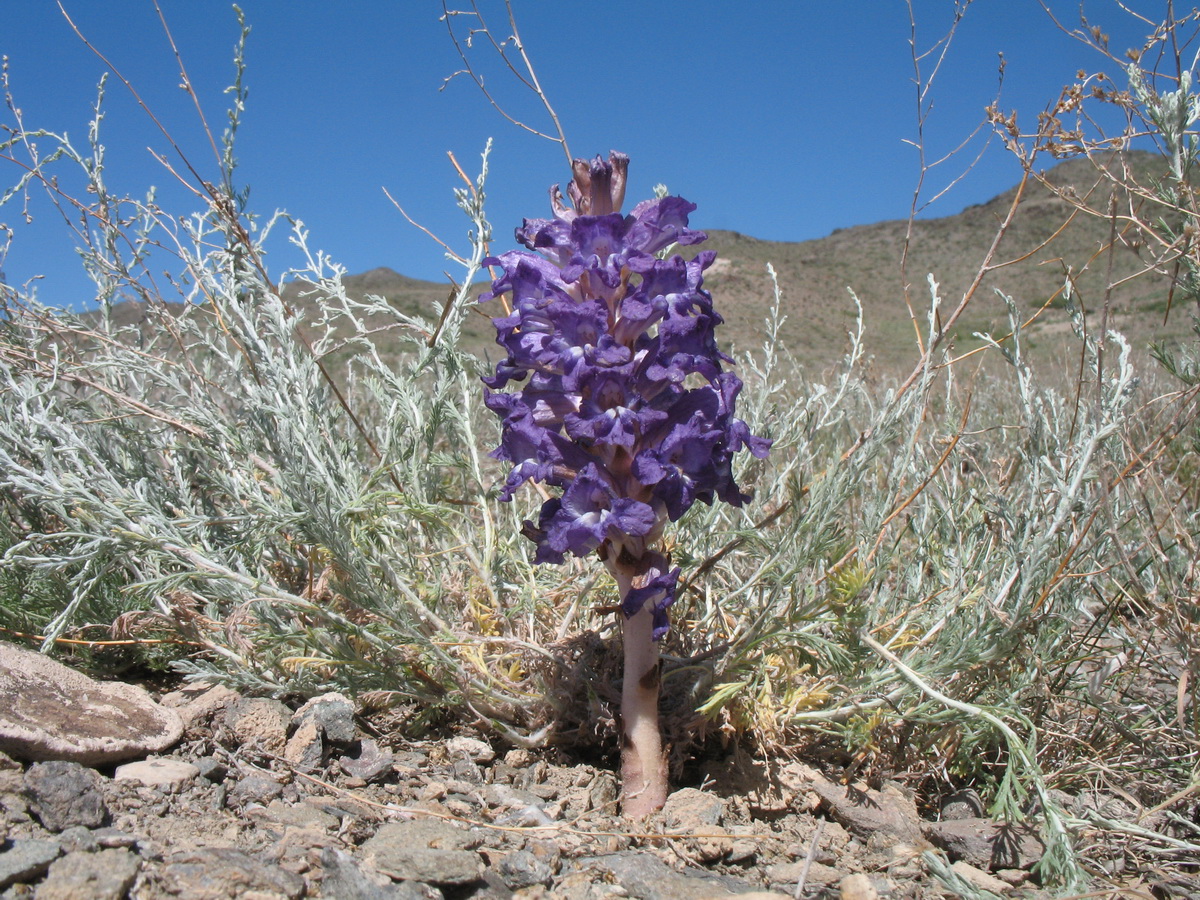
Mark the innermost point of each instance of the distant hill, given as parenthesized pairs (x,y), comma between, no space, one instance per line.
(815,276)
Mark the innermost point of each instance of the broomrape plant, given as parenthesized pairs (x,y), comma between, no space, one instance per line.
(627,410)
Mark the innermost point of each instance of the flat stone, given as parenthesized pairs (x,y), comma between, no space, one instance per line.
(65,794)
(223,874)
(646,877)
(865,811)
(987,844)
(167,774)
(104,875)
(56,712)
(26,860)
(427,850)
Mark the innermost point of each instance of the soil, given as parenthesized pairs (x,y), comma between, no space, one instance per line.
(271,804)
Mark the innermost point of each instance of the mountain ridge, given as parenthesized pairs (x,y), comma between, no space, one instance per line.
(816,276)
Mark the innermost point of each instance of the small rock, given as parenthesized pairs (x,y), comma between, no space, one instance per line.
(104,875)
(980,878)
(371,764)
(199,703)
(25,860)
(427,850)
(305,749)
(222,874)
(56,713)
(647,877)
(344,880)
(522,869)
(255,789)
(65,794)
(333,714)
(986,844)
(77,838)
(167,774)
(787,875)
(858,887)
(473,749)
(690,809)
(211,769)
(258,722)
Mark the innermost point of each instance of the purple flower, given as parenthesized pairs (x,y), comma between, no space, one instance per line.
(624,403)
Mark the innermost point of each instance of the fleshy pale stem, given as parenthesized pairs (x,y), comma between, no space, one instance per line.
(643,763)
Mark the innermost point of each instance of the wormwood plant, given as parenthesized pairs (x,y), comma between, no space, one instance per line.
(206,469)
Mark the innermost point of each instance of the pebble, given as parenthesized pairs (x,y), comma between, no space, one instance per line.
(258,723)
(24,860)
(219,873)
(333,714)
(472,748)
(858,887)
(65,794)
(103,875)
(370,765)
(167,774)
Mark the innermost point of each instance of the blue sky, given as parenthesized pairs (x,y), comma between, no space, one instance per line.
(781,119)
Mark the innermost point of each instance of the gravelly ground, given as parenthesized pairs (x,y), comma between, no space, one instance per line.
(261,802)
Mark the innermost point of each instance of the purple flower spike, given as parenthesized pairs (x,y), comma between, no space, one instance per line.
(624,404)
